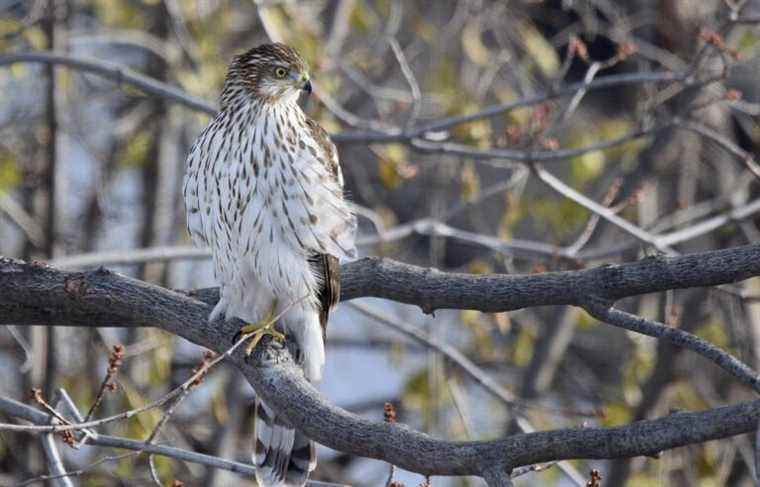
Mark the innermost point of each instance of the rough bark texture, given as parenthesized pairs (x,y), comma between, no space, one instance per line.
(36,294)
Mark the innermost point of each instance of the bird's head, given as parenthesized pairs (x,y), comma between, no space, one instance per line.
(270,72)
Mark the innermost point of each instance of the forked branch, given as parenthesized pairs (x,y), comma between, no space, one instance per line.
(36,294)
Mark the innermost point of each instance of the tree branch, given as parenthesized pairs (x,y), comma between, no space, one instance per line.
(151,86)
(39,294)
(28,413)
(494,293)
(114,72)
(604,312)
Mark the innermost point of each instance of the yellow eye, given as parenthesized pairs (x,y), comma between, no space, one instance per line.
(280,72)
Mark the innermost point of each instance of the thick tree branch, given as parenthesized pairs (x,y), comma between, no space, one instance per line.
(493,293)
(38,294)
(432,289)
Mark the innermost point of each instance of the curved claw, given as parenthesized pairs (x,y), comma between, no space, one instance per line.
(257,331)
(259,334)
(254,341)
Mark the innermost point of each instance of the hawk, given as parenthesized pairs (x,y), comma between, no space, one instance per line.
(264,191)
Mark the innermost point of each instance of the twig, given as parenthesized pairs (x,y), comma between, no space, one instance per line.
(176,392)
(17,409)
(519,472)
(25,347)
(389,415)
(575,101)
(75,473)
(521,155)
(121,74)
(411,80)
(55,464)
(134,256)
(592,223)
(458,398)
(745,157)
(114,362)
(428,226)
(39,399)
(477,374)
(710,224)
(568,90)
(465,364)
(153,472)
(114,72)
(604,212)
(603,311)
(23,220)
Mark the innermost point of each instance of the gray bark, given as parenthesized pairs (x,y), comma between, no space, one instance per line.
(36,294)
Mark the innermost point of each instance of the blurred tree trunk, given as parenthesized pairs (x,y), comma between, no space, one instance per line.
(39,199)
(225,441)
(157,21)
(677,178)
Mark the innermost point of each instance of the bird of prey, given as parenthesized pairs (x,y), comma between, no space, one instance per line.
(264,190)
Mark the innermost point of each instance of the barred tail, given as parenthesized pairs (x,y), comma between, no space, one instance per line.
(283,456)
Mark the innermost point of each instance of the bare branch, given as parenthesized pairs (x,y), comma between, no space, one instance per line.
(523,155)
(607,213)
(431,289)
(723,141)
(568,90)
(615,317)
(121,74)
(55,464)
(456,357)
(433,227)
(101,298)
(114,72)
(22,219)
(19,410)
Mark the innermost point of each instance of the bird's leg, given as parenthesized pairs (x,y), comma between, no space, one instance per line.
(258,330)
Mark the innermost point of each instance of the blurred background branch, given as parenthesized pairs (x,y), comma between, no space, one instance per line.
(503,143)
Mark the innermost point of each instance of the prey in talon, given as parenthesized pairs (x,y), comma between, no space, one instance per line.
(257,331)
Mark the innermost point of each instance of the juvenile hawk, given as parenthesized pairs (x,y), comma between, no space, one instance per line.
(264,191)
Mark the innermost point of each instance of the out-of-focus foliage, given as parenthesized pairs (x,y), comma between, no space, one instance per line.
(119,163)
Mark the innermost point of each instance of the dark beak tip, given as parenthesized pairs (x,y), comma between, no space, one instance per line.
(307,87)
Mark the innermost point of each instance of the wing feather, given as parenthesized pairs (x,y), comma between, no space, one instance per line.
(320,220)
(327,269)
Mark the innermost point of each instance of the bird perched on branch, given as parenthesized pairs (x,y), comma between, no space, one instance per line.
(264,190)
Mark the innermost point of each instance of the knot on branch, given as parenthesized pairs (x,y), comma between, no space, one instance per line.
(75,285)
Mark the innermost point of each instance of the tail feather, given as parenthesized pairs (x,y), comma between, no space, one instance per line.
(283,456)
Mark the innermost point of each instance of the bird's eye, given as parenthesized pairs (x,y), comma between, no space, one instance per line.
(280,72)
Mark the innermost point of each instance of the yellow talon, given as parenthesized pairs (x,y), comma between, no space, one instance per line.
(263,327)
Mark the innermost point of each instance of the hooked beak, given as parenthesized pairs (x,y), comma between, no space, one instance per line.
(307,87)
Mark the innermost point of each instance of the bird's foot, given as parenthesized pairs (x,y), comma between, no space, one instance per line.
(257,331)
